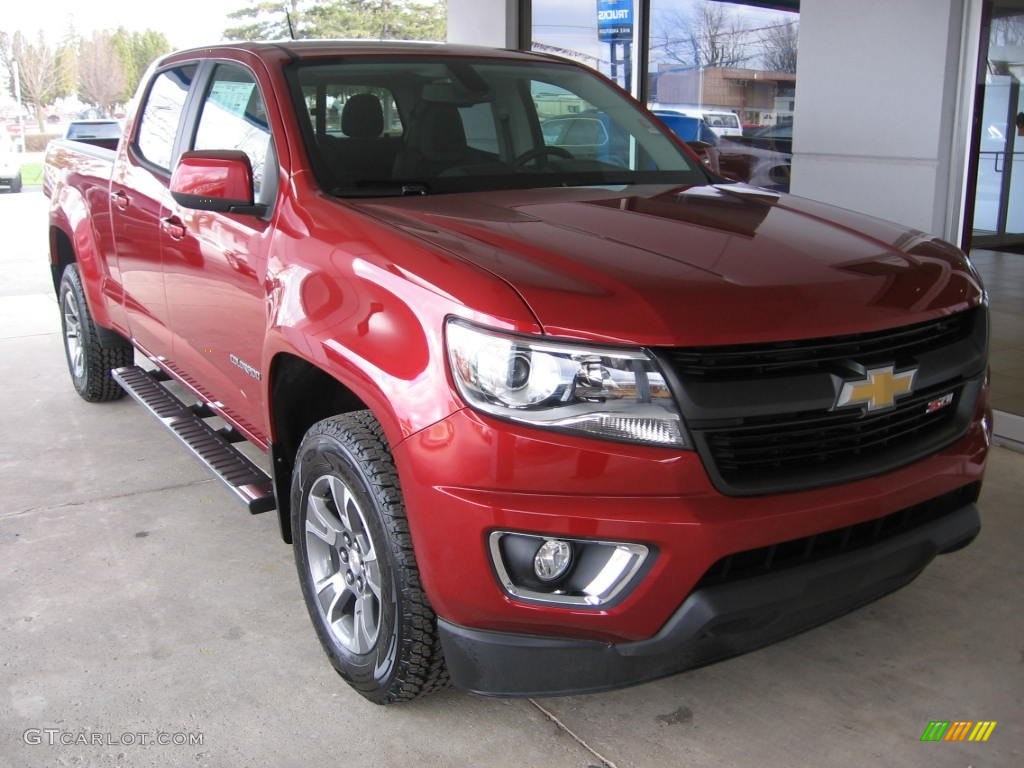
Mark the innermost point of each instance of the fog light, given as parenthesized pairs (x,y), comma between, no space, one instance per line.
(552,560)
(582,573)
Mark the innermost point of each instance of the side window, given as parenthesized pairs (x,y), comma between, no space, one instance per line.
(233,116)
(161,114)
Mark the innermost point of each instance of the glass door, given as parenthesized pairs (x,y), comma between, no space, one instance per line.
(997,234)
(999,198)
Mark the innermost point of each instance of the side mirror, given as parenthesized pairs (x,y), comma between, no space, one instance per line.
(215,180)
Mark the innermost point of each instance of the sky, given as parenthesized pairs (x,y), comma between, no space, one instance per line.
(190,23)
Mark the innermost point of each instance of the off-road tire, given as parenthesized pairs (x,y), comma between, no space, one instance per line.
(374,621)
(89,363)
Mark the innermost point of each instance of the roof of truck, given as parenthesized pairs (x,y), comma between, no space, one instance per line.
(331,48)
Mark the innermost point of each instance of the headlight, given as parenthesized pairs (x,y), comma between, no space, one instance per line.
(617,394)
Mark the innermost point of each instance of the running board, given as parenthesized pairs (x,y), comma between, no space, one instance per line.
(211,446)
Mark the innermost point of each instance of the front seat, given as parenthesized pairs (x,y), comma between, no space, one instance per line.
(363,154)
(436,142)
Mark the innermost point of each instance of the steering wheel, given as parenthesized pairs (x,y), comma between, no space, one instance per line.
(538,152)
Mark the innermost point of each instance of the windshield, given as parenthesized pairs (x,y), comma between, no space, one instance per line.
(424,125)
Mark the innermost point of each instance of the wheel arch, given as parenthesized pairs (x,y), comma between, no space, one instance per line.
(300,395)
(62,253)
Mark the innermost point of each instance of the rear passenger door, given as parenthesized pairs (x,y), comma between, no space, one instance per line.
(215,263)
(139,193)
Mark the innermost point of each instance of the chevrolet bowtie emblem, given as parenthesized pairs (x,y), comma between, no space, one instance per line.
(878,390)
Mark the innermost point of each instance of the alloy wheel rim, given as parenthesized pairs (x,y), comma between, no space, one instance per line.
(73,336)
(343,566)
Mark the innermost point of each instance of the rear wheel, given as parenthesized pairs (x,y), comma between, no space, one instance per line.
(89,363)
(356,564)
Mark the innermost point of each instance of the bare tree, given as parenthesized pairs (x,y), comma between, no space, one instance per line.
(42,73)
(101,75)
(779,43)
(708,35)
(1007,31)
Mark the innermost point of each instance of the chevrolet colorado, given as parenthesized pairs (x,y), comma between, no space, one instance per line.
(545,411)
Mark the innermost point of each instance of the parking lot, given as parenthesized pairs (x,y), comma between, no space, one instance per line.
(147,620)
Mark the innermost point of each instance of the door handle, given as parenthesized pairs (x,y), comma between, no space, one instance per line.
(173,227)
(120,200)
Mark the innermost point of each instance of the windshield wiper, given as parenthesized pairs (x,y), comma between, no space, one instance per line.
(381,189)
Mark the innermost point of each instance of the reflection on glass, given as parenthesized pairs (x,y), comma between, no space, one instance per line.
(998,209)
(234,117)
(159,122)
(600,34)
(734,66)
(731,64)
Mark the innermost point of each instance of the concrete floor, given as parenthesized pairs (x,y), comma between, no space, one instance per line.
(139,601)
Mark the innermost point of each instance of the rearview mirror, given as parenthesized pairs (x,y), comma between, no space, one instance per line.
(456,94)
(215,180)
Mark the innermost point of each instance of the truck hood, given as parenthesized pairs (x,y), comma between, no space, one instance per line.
(706,265)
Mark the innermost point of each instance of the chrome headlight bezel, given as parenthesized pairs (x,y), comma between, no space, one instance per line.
(598,391)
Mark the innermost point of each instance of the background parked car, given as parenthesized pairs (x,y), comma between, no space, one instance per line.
(696,133)
(10,164)
(721,121)
(588,136)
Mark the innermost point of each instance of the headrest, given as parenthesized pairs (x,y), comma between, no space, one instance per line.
(362,117)
(440,129)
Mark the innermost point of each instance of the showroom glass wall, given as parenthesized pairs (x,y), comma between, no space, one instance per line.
(734,63)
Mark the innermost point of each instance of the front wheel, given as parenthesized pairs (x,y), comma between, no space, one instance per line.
(16,183)
(356,565)
(89,362)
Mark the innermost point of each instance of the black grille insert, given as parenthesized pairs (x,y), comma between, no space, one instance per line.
(764,420)
(802,443)
(792,357)
(752,563)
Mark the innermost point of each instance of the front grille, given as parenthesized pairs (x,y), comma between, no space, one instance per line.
(809,355)
(752,563)
(763,449)
(763,417)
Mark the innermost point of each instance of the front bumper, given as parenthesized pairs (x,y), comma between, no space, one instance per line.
(713,623)
(509,478)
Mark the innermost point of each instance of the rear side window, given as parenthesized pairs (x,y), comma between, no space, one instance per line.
(325,104)
(162,113)
(234,116)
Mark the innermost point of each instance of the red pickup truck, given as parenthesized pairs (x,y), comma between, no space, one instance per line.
(546,411)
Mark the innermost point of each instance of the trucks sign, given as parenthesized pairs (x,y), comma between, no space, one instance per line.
(614,20)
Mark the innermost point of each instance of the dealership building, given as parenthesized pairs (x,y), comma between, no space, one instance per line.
(908,111)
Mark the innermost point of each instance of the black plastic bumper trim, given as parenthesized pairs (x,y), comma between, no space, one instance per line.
(713,623)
